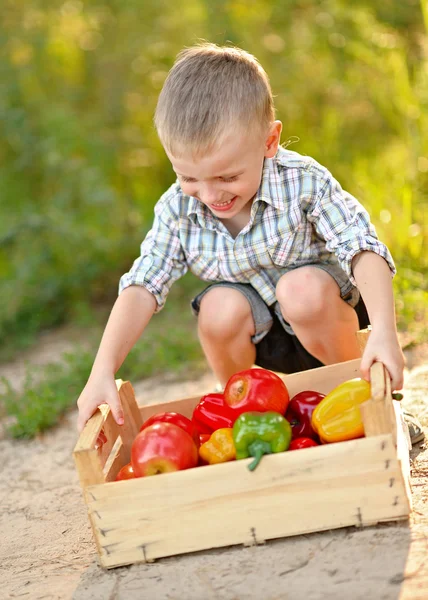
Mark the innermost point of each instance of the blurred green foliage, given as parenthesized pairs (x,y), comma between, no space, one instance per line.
(81,166)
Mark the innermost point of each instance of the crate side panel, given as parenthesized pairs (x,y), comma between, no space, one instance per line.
(211,481)
(404,446)
(281,511)
(215,507)
(323,379)
(89,467)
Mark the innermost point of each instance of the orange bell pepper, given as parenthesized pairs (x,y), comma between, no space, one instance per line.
(219,448)
(338,417)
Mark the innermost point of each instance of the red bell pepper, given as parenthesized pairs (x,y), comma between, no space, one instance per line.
(204,437)
(299,413)
(212,413)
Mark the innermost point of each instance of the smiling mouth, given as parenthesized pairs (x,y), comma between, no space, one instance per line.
(223,204)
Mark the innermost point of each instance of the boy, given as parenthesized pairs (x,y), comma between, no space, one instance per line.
(292,260)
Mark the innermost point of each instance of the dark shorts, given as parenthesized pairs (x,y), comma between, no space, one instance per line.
(277,347)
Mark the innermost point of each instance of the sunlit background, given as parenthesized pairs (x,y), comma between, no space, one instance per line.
(81,166)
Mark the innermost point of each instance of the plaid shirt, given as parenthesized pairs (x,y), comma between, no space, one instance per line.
(299,216)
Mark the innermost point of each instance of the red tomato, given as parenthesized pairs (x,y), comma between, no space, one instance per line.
(163,448)
(175,419)
(256,390)
(301,443)
(125,472)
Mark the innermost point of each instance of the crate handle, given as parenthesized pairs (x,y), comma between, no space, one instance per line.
(86,455)
(378,413)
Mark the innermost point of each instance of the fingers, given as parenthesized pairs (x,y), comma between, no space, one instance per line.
(397,379)
(116,409)
(395,372)
(365,365)
(84,415)
(395,367)
(87,409)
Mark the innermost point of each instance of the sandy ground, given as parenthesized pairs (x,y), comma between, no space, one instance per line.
(47,550)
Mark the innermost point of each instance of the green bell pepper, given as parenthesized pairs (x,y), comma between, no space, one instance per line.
(259,433)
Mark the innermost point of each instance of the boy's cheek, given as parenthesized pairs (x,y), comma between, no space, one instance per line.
(187,189)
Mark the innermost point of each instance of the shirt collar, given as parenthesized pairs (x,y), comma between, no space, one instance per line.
(198,212)
(271,186)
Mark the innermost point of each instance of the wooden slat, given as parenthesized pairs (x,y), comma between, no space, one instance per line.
(378,413)
(89,467)
(378,382)
(404,445)
(91,431)
(323,379)
(318,461)
(351,483)
(362,338)
(132,417)
(88,459)
(116,461)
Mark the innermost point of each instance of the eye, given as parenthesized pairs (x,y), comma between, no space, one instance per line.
(229,179)
(187,179)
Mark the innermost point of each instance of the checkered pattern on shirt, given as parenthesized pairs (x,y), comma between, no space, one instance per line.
(300,215)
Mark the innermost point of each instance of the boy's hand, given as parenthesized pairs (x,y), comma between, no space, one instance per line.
(383,346)
(100,389)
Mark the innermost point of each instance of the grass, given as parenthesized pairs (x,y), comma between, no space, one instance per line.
(169,345)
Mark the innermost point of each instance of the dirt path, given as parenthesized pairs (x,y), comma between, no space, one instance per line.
(47,551)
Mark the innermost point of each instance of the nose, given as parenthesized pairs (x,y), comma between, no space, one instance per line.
(208,194)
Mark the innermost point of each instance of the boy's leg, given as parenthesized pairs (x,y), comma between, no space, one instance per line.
(225,329)
(323,322)
(232,318)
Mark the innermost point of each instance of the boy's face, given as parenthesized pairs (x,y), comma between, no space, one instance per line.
(227,179)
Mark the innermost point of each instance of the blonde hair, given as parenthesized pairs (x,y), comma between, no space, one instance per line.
(209,89)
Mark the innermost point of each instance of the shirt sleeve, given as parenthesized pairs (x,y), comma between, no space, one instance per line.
(344,224)
(161,260)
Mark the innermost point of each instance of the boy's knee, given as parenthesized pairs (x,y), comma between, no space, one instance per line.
(304,294)
(225,312)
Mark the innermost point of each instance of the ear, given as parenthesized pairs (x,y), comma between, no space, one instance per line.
(273,139)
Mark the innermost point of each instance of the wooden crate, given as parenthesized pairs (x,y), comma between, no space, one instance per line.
(359,482)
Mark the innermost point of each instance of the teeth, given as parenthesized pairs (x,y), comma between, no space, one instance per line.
(223,203)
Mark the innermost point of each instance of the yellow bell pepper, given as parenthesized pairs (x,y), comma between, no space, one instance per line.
(219,448)
(338,417)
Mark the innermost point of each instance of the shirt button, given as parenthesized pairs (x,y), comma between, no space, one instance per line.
(147,262)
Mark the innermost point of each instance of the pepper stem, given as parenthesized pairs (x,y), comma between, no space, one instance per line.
(257,449)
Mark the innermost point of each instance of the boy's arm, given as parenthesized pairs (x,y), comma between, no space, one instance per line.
(344,224)
(373,277)
(143,291)
(129,317)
